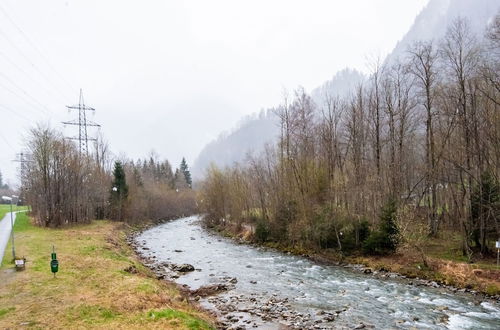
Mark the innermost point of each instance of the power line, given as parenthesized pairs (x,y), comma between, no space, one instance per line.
(6,141)
(28,40)
(15,112)
(21,97)
(62,97)
(35,67)
(48,111)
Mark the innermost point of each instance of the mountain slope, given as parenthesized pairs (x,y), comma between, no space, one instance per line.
(257,130)
(251,135)
(434,19)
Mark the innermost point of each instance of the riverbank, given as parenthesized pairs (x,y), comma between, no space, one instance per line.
(262,287)
(100,284)
(444,268)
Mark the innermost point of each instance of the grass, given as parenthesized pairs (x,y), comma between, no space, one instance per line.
(5,208)
(172,314)
(446,265)
(92,288)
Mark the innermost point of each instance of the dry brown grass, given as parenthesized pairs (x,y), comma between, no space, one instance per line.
(455,273)
(92,289)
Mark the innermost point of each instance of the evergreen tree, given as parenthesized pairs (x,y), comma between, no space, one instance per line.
(485,210)
(386,239)
(119,190)
(185,170)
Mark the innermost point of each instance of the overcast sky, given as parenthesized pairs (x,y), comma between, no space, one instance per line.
(171,75)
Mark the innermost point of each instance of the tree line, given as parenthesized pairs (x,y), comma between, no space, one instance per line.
(65,186)
(415,149)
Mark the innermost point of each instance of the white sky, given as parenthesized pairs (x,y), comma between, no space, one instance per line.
(171,75)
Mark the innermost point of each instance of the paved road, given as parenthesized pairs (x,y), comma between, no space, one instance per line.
(5,228)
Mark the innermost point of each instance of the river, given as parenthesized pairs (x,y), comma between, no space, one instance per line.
(270,289)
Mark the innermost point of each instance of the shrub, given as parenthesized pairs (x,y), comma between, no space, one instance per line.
(285,215)
(485,209)
(261,231)
(363,229)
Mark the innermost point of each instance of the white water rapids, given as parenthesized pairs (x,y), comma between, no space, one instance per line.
(298,292)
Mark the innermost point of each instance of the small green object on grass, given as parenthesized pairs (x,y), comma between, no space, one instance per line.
(54,264)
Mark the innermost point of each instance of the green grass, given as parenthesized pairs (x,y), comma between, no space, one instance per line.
(92,288)
(186,319)
(4,311)
(22,222)
(21,225)
(91,314)
(5,208)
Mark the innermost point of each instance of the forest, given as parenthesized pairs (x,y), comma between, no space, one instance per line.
(65,186)
(411,153)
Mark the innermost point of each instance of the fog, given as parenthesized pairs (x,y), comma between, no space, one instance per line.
(170,76)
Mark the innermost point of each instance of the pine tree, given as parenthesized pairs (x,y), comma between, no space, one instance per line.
(119,190)
(386,239)
(185,170)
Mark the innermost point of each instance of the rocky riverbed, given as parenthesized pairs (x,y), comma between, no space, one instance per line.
(249,287)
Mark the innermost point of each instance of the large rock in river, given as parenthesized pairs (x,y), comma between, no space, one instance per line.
(183,268)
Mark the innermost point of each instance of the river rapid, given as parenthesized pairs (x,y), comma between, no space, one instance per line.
(270,289)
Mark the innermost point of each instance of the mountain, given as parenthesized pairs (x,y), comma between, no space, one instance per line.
(257,130)
(342,84)
(434,19)
(250,136)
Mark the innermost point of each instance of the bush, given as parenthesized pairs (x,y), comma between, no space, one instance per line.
(485,207)
(285,215)
(261,231)
(386,239)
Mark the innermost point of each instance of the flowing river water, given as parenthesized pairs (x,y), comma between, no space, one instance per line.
(270,289)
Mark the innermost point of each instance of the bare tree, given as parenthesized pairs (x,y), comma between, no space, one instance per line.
(423,66)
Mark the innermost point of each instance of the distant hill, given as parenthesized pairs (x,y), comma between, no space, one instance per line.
(257,130)
(342,84)
(251,135)
(254,131)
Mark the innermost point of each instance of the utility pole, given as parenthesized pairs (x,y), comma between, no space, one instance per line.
(82,124)
(23,158)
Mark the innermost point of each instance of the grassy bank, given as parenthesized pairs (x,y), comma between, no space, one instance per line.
(100,283)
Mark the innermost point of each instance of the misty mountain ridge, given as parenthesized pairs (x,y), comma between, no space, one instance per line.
(434,19)
(255,131)
(250,136)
